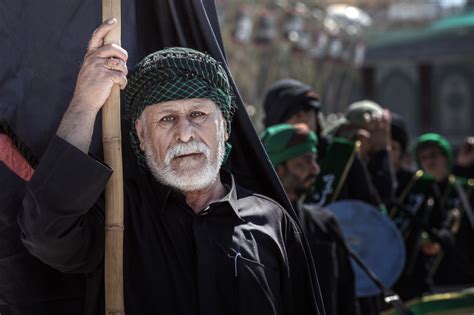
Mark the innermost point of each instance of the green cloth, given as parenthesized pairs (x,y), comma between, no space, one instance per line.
(334,169)
(173,74)
(276,141)
(438,140)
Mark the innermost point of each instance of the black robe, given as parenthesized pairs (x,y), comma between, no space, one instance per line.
(241,255)
(335,273)
(457,265)
(28,286)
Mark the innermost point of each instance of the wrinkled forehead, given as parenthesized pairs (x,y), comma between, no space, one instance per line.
(182,106)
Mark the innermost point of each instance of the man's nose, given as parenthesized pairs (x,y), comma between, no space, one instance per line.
(185,131)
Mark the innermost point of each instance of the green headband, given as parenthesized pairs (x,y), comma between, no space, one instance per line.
(276,141)
(437,140)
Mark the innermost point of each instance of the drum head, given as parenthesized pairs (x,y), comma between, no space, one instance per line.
(375,239)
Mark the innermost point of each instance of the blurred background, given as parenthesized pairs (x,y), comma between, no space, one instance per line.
(414,57)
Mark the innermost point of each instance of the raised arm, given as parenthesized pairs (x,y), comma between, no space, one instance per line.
(62,220)
(103,67)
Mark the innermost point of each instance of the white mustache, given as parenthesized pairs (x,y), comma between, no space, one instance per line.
(193,147)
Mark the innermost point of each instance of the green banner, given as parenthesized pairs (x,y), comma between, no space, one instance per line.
(334,169)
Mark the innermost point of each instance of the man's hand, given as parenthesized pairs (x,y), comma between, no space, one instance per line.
(379,129)
(103,67)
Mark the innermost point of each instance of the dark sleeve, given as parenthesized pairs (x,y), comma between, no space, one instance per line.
(62,219)
(11,195)
(301,285)
(383,175)
(346,295)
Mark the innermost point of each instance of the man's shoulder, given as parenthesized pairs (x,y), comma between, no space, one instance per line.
(316,211)
(318,216)
(255,204)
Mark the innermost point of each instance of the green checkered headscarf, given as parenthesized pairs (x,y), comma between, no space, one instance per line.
(173,74)
(278,139)
(437,140)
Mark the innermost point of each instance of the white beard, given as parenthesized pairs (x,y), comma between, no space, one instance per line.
(189,175)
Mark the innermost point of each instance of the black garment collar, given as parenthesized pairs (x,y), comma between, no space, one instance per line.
(164,193)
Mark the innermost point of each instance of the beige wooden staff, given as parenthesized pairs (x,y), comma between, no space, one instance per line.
(112,143)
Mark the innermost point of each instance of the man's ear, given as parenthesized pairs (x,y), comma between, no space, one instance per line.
(140,129)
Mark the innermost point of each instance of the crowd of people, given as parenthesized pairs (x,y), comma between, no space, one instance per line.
(197,241)
(421,187)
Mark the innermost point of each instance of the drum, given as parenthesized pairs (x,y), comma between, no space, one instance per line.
(454,303)
(375,239)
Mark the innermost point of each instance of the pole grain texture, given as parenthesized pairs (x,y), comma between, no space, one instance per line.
(112,143)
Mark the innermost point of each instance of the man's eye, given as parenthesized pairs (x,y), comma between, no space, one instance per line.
(168,119)
(197,116)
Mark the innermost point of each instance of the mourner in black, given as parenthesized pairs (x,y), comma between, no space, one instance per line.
(371,126)
(410,211)
(27,286)
(371,177)
(450,237)
(195,241)
(399,145)
(292,150)
(292,101)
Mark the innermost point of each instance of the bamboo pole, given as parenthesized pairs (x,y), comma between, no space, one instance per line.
(111,138)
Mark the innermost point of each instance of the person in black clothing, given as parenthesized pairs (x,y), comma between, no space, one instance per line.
(399,144)
(370,124)
(195,241)
(292,151)
(27,286)
(408,211)
(293,102)
(449,239)
(371,177)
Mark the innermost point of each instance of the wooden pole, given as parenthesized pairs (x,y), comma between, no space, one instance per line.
(111,138)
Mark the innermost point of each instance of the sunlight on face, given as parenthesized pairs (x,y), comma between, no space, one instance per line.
(184,142)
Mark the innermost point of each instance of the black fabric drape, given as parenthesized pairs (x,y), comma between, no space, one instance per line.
(43,45)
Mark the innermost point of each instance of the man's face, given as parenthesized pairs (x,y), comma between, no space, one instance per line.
(298,174)
(304,117)
(183,141)
(433,161)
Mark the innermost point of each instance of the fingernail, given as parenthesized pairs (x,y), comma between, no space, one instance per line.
(111,21)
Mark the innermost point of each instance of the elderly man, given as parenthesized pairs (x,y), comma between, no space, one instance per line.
(195,241)
(292,151)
